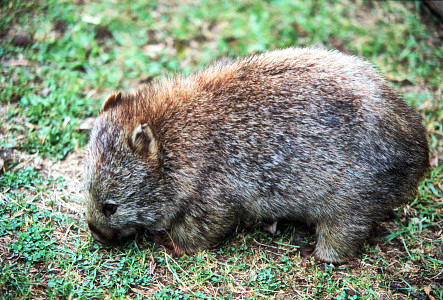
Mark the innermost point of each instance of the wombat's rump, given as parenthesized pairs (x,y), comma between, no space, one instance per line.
(296,134)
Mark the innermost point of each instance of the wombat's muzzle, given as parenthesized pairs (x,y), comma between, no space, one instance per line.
(108,235)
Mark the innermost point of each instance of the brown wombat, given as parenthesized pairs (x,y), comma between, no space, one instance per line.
(296,134)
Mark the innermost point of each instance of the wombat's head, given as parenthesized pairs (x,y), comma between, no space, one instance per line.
(121,183)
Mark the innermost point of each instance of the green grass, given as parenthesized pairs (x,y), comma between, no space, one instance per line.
(79,51)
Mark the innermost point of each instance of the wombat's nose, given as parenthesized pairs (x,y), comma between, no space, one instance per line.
(105,236)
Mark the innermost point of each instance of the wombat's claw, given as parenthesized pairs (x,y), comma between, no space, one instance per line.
(177,252)
(272,228)
(159,248)
(308,252)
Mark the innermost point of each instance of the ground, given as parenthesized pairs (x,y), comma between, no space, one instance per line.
(59,60)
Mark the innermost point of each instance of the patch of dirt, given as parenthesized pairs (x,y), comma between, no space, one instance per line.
(70,196)
(64,194)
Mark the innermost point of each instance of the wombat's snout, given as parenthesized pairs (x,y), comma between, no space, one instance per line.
(109,235)
(105,236)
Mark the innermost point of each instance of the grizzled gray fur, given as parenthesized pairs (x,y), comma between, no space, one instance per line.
(296,134)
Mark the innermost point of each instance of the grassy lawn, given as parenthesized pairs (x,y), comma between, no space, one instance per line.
(59,60)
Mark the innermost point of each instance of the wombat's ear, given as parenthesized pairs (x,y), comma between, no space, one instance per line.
(143,141)
(112,100)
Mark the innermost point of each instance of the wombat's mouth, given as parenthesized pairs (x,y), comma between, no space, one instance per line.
(109,235)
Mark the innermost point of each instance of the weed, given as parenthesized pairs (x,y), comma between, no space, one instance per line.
(28,177)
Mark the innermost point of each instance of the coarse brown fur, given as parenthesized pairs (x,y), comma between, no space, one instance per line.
(295,134)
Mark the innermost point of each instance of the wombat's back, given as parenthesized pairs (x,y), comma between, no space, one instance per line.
(292,134)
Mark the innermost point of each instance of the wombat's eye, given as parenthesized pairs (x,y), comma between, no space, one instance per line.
(109,209)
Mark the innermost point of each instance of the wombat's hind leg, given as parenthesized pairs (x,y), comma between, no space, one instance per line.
(339,239)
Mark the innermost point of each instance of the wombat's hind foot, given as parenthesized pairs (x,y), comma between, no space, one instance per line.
(338,241)
(306,250)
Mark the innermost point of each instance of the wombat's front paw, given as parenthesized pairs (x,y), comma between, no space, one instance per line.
(164,242)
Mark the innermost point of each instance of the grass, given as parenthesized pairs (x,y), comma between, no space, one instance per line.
(59,59)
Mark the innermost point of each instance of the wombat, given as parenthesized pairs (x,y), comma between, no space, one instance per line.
(296,134)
